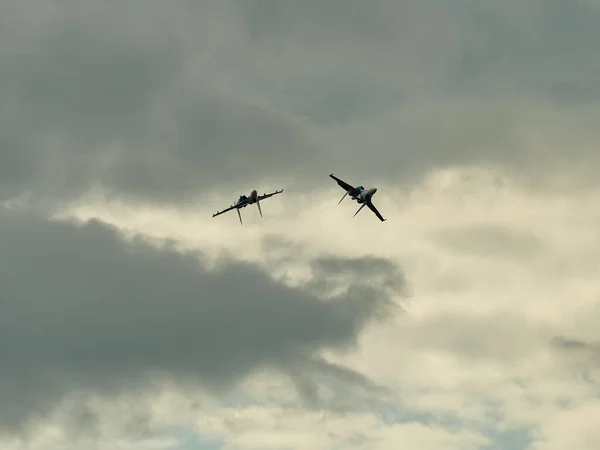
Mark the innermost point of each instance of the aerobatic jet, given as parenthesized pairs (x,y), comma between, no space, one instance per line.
(244,201)
(360,194)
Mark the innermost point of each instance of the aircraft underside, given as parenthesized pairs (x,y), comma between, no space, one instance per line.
(360,194)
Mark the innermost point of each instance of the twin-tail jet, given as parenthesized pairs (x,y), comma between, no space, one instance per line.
(244,201)
(360,194)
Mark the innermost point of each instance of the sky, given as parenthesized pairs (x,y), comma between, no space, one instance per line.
(132,319)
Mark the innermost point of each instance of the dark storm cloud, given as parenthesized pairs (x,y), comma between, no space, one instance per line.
(72,92)
(82,309)
(101,96)
(163,100)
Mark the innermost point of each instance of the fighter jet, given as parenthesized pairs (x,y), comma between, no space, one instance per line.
(360,194)
(244,201)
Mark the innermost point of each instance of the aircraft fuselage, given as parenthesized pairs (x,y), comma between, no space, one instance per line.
(244,201)
(365,195)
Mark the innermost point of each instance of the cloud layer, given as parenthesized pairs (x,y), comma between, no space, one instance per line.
(85,309)
(163,102)
(478,123)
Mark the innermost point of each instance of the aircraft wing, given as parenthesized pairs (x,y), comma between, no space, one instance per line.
(262,197)
(224,211)
(372,208)
(346,186)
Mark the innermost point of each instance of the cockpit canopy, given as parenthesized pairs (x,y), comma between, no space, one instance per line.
(360,188)
(242,198)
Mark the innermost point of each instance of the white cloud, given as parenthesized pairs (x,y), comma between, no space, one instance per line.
(474,344)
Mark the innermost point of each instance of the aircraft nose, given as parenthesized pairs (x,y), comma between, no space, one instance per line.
(374,190)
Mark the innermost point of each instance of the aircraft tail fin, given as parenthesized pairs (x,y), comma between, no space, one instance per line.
(342,198)
(259,210)
(239,215)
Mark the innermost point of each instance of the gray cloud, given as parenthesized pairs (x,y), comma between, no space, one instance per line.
(82,309)
(97,100)
(327,386)
(489,240)
(374,272)
(569,344)
(161,102)
(573,345)
(541,48)
(505,338)
(331,273)
(583,358)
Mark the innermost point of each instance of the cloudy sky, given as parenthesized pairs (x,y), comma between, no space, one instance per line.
(132,319)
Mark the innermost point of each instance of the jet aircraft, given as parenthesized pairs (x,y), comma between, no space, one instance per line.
(244,201)
(360,194)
